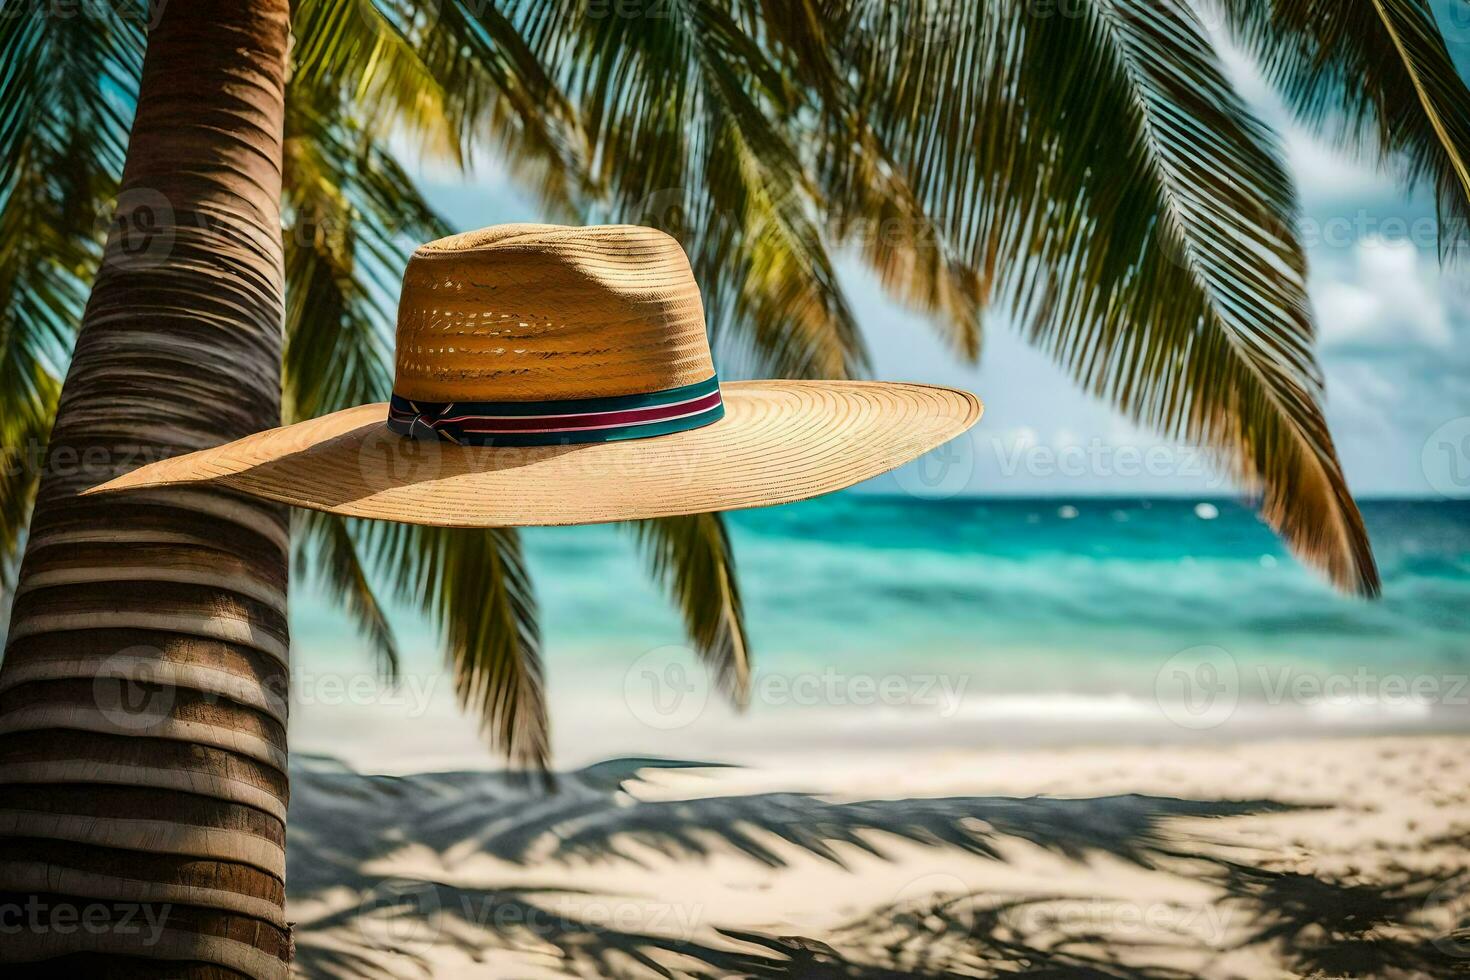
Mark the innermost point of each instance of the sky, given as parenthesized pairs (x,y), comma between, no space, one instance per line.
(1394,344)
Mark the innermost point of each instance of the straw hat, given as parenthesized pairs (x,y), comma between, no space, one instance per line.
(562,375)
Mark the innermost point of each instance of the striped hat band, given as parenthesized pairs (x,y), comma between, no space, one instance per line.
(558,423)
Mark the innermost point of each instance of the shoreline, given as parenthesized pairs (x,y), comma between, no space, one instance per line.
(413,736)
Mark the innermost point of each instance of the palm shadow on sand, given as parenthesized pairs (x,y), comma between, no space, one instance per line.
(1318,925)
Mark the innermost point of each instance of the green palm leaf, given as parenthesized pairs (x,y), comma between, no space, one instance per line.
(25,439)
(67,84)
(1101,172)
(353,53)
(455,75)
(692,557)
(327,553)
(1209,335)
(1246,384)
(352,216)
(684,111)
(1375,74)
(875,205)
(506,97)
(475,587)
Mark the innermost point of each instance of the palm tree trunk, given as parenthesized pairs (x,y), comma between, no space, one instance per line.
(143,692)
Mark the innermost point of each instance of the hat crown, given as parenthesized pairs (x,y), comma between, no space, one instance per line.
(533,312)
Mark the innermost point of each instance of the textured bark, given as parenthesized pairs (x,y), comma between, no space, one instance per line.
(143,692)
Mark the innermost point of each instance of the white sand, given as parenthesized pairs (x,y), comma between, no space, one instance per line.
(1330,857)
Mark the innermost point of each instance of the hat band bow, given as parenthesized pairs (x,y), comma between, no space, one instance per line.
(564,422)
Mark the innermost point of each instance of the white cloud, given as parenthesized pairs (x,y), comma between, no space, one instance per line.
(1244,72)
(1362,398)
(1392,299)
(1325,173)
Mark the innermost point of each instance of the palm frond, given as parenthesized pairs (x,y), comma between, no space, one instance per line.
(353,53)
(683,112)
(352,216)
(1209,334)
(1376,75)
(873,204)
(453,75)
(65,109)
(507,98)
(67,85)
(474,586)
(24,449)
(328,554)
(693,558)
(1100,170)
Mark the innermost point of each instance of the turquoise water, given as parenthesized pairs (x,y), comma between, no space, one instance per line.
(1095,583)
(1040,619)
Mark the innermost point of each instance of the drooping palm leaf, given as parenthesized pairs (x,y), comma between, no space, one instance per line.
(508,99)
(328,555)
(475,587)
(1138,221)
(684,113)
(67,85)
(935,115)
(1376,74)
(61,149)
(1209,335)
(874,205)
(454,75)
(692,557)
(20,474)
(352,53)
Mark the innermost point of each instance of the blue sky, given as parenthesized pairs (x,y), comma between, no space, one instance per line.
(1394,345)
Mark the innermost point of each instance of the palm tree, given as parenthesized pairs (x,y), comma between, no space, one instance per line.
(1085,164)
(176,805)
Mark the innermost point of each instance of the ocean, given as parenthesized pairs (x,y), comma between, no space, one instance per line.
(879,622)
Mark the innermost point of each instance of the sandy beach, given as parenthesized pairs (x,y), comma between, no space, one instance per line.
(1270,858)
(983,738)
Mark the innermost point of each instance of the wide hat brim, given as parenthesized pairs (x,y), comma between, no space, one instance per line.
(779,441)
